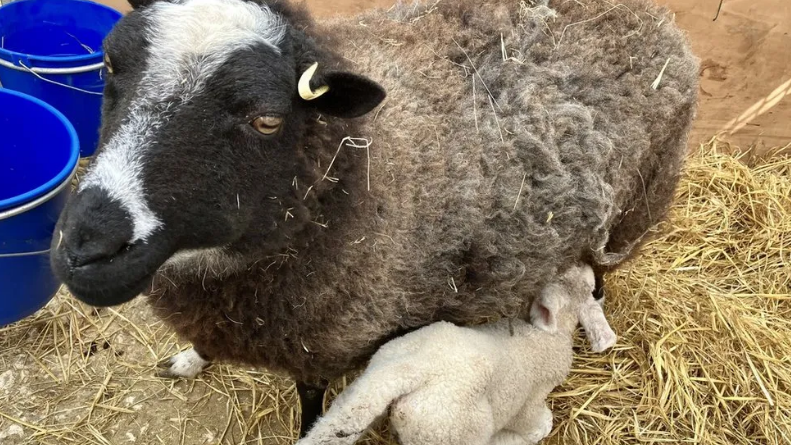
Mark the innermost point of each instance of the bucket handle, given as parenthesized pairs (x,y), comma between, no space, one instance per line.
(23,254)
(73,70)
(39,71)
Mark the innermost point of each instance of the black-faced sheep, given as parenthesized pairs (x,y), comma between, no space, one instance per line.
(482,385)
(299,232)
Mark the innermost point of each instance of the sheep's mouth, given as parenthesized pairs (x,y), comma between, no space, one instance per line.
(115,295)
(113,280)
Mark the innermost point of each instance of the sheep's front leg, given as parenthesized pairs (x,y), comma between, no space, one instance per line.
(311,400)
(186,364)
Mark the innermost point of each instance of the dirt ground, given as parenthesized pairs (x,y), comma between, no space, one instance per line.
(105,378)
(746,68)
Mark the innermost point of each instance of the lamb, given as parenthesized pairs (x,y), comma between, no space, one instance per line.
(292,194)
(487,384)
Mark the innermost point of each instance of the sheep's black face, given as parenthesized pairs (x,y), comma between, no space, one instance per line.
(201,117)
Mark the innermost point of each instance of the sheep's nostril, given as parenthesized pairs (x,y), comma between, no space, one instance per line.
(95,229)
(86,244)
(96,251)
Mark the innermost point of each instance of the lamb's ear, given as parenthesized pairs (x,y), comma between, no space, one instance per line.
(544,311)
(597,329)
(339,93)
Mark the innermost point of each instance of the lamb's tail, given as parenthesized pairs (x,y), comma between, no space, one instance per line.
(361,403)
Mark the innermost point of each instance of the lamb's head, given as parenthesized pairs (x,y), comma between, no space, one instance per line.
(205,104)
(567,301)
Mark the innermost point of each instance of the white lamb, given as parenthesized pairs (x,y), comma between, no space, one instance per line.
(472,385)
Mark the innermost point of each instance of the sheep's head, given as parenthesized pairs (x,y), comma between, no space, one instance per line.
(567,301)
(204,104)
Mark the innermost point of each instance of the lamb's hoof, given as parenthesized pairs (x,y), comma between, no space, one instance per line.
(186,364)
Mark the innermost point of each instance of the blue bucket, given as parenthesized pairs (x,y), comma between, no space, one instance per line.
(39,154)
(52,50)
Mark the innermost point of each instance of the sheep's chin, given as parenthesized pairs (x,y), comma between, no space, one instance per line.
(115,280)
(110,297)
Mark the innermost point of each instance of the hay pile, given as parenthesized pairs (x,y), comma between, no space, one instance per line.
(704,319)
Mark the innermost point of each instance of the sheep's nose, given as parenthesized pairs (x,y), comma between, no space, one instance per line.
(95,228)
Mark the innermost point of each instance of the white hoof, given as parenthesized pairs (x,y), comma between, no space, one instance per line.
(186,364)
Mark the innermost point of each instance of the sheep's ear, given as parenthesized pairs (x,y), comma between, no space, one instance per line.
(544,311)
(338,93)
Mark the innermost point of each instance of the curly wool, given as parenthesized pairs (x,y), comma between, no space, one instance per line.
(465,204)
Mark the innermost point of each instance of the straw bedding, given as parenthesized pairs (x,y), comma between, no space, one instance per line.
(704,356)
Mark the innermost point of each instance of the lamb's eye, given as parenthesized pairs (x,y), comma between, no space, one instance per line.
(107,63)
(267,125)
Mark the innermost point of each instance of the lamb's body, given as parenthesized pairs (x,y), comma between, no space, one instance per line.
(472,207)
(450,385)
(454,385)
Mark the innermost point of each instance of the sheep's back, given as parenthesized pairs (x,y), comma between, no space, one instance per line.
(518,139)
(631,69)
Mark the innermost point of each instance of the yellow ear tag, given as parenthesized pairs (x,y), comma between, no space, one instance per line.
(303,86)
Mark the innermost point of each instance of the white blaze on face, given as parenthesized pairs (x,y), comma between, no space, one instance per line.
(188,41)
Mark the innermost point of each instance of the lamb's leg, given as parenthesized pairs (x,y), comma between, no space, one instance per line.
(311,400)
(186,364)
(506,437)
(529,427)
(542,425)
(443,414)
(361,403)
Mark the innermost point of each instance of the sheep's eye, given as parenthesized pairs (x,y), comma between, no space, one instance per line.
(107,63)
(267,125)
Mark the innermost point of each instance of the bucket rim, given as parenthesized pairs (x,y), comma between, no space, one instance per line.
(40,201)
(99,53)
(66,171)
